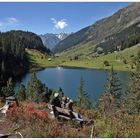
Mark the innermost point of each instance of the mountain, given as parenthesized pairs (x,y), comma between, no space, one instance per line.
(50,40)
(102,29)
(25,39)
(62,36)
(126,38)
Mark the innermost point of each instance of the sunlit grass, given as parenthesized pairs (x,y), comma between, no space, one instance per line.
(115,59)
(67,59)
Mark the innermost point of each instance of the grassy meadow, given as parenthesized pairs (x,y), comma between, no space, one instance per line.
(122,60)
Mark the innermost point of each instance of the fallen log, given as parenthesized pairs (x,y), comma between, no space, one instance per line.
(70,115)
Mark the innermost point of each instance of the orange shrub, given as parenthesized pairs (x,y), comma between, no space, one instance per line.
(26,112)
(43,115)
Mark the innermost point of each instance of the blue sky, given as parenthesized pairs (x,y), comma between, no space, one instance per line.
(55,17)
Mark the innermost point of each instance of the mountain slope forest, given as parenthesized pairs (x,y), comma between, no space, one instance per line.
(13,59)
(105,33)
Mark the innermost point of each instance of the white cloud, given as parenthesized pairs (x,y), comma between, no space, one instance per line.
(11,20)
(60,24)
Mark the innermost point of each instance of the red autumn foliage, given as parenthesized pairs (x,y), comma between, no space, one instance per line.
(33,112)
(27,112)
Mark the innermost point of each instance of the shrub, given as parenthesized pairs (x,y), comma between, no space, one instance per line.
(106,63)
(132,55)
(76,58)
(27,112)
(124,61)
(109,133)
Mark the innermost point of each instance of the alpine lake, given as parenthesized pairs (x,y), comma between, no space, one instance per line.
(68,79)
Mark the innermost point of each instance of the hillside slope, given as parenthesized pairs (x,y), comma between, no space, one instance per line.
(103,28)
(13,59)
(122,60)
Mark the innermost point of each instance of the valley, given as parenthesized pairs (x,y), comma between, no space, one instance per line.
(122,61)
(116,59)
(70,77)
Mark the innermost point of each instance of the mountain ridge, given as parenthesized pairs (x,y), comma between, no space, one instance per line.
(102,28)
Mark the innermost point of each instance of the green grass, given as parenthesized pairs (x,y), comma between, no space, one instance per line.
(40,60)
(115,59)
(81,51)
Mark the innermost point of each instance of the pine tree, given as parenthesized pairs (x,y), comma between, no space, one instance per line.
(34,89)
(8,90)
(10,86)
(83,100)
(131,98)
(113,86)
(112,96)
(21,93)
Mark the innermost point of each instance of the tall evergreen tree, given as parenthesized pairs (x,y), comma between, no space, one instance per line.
(34,89)
(113,86)
(21,93)
(8,90)
(112,96)
(131,98)
(83,100)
